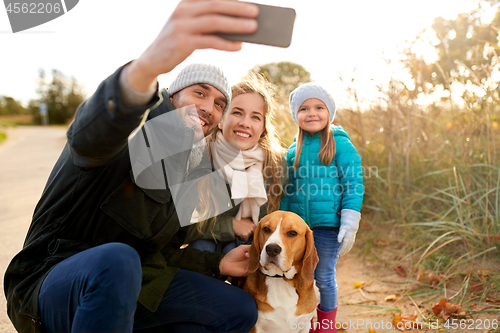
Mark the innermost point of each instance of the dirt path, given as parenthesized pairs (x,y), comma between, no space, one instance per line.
(26,160)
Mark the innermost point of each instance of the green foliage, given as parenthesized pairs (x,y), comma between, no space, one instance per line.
(286,76)
(437,261)
(62,96)
(3,137)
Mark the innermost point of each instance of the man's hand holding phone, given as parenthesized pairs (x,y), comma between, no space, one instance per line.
(192,25)
(275,27)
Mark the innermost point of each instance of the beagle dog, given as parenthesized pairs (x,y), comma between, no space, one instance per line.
(281,278)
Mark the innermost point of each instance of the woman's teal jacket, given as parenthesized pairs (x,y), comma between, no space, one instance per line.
(318,192)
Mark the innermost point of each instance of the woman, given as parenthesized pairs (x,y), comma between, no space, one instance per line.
(247,129)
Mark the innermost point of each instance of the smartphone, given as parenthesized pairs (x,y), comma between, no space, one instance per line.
(275,27)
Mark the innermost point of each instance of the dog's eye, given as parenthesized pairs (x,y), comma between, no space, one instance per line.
(292,233)
(266,230)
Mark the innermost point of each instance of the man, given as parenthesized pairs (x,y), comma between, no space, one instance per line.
(102,253)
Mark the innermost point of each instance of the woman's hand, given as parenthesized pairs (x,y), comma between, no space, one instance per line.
(243,228)
(235,262)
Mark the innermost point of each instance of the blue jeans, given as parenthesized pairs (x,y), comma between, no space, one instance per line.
(327,246)
(96,291)
(210,245)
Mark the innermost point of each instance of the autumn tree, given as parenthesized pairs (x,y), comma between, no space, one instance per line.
(467,66)
(286,76)
(466,50)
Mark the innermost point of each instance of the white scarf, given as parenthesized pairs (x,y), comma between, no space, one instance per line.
(243,171)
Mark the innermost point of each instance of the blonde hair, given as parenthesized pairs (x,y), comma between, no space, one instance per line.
(327,150)
(269,140)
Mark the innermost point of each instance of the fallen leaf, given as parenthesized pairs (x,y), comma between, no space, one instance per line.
(438,307)
(452,309)
(339,327)
(371,331)
(435,279)
(403,320)
(421,275)
(400,270)
(396,320)
(381,242)
(409,318)
(359,284)
(446,309)
(391,298)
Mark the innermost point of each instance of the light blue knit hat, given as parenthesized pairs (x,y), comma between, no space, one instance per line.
(202,73)
(311,90)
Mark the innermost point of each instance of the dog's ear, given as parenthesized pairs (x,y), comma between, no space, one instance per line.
(310,259)
(255,251)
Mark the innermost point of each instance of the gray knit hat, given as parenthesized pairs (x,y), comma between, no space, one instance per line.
(202,73)
(311,90)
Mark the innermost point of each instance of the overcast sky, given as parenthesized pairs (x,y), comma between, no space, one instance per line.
(330,37)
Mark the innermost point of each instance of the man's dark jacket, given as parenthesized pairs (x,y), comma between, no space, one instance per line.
(91,199)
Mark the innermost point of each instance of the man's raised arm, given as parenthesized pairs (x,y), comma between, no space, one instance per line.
(103,123)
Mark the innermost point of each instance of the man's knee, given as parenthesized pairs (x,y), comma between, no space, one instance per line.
(120,261)
(248,312)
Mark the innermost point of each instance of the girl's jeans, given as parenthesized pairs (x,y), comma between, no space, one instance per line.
(96,291)
(327,246)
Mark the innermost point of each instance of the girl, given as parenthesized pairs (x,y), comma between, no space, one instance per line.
(245,128)
(325,188)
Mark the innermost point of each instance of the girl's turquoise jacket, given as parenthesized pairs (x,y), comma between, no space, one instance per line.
(318,192)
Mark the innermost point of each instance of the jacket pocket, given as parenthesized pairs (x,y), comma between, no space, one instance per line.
(65,248)
(134,208)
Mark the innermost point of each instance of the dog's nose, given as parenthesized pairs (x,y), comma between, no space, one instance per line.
(273,250)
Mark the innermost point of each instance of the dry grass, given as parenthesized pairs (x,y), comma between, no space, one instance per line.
(435,195)
(12,121)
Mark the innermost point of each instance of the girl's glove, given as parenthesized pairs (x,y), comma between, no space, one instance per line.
(349,223)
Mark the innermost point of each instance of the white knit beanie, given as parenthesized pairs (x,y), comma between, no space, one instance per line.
(311,90)
(202,73)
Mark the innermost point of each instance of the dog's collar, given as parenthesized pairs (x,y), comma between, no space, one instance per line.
(274,276)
